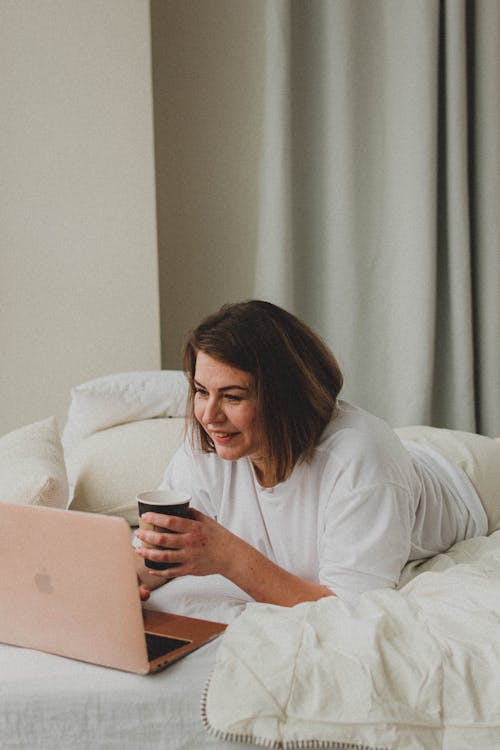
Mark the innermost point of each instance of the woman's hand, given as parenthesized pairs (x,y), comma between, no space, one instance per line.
(196,546)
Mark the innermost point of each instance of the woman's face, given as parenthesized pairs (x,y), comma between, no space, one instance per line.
(225,404)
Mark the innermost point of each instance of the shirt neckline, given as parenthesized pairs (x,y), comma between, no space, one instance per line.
(275,492)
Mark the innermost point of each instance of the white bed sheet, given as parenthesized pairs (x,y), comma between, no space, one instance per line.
(48,701)
(51,702)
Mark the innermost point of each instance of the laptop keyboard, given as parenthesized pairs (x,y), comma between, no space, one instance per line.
(159,645)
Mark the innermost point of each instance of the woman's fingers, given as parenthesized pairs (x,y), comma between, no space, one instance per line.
(158,530)
(160,554)
(159,539)
(169,523)
(144,592)
(195,545)
(178,531)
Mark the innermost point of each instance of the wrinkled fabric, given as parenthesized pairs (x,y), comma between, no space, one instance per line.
(417,668)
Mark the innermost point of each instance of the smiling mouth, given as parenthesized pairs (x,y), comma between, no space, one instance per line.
(223,437)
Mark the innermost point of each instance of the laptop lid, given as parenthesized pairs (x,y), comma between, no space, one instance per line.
(68,586)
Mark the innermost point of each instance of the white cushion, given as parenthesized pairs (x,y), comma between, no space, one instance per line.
(109,468)
(478,456)
(125,397)
(32,469)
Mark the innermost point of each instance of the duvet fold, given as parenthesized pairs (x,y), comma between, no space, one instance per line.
(417,668)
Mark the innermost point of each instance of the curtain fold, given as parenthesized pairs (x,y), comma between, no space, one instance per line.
(275,269)
(379,198)
(484,180)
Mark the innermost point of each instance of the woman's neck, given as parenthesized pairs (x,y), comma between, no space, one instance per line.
(265,476)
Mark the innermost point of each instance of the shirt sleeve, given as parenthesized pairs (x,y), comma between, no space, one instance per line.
(182,475)
(366,540)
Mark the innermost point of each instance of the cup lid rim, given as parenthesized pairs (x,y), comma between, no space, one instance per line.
(163,497)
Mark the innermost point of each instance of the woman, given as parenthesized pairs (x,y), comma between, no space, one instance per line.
(295,494)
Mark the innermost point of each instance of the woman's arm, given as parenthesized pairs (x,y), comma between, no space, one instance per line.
(201,546)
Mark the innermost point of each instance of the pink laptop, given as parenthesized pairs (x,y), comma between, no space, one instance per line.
(68,586)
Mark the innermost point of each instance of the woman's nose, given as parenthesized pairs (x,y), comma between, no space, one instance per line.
(213,411)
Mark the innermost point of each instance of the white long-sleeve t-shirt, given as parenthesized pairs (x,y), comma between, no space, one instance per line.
(352,516)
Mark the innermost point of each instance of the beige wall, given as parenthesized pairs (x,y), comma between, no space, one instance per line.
(78,261)
(208,57)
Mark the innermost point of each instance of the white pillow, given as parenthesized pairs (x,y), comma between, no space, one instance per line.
(109,468)
(32,469)
(478,456)
(125,397)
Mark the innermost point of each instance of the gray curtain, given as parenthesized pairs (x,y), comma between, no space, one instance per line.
(379,216)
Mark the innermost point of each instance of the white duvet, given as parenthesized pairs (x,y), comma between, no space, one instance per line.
(417,668)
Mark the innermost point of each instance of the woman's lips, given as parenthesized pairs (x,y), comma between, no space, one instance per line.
(223,437)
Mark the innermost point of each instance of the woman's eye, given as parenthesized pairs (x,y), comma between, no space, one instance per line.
(231,398)
(200,392)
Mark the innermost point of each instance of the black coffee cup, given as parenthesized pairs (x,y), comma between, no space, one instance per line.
(168,503)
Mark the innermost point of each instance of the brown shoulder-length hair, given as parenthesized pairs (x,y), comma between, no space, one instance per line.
(297,378)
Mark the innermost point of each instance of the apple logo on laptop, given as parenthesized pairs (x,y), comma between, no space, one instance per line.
(43,582)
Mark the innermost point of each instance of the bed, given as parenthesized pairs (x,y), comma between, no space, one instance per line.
(416,668)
